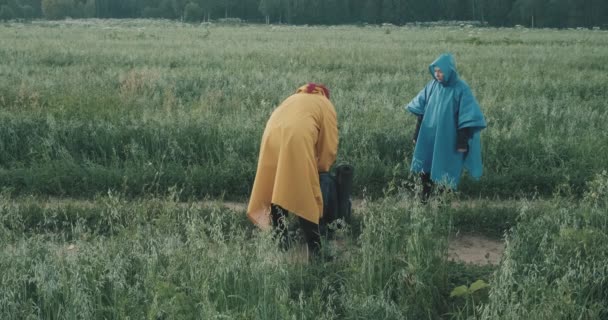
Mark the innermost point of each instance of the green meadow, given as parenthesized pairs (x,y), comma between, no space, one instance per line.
(125,144)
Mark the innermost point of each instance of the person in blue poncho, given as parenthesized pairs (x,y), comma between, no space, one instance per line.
(447,130)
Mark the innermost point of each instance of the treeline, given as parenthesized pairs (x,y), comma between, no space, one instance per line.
(531,13)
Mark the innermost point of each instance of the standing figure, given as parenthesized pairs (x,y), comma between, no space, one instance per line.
(449,121)
(299,142)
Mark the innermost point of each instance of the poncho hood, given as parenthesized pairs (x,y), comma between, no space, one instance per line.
(447,64)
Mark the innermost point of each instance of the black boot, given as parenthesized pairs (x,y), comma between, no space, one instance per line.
(312,236)
(427,187)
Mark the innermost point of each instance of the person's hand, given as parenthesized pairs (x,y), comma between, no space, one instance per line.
(461,150)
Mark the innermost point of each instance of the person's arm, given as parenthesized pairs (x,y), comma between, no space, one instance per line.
(470,118)
(469,112)
(462,139)
(417,129)
(327,144)
(418,104)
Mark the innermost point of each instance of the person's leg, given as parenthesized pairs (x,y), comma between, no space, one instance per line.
(427,187)
(311,234)
(278,216)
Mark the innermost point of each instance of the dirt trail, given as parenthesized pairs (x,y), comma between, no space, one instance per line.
(467,247)
(475,249)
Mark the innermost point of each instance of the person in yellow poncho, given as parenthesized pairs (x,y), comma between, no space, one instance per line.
(300,140)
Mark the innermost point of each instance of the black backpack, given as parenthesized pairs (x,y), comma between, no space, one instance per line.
(336,188)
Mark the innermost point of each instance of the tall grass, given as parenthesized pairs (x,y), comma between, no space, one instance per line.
(555,263)
(142,119)
(87,106)
(162,258)
(112,258)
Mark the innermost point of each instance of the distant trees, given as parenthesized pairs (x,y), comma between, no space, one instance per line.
(271,8)
(6,12)
(15,9)
(560,13)
(532,13)
(57,9)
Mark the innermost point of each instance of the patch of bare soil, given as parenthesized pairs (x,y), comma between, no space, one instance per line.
(475,249)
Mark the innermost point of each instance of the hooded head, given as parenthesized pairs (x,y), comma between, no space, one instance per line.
(447,65)
(314,88)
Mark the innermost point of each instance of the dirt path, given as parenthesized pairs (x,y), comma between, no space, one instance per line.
(467,247)
(475,249)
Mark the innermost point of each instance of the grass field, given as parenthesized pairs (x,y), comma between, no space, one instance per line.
(142,106)
(120,140)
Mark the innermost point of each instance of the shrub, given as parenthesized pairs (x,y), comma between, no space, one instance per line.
(193,12)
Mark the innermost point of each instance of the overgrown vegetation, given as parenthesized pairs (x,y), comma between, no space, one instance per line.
(555,263)
(115,135)
(112,258)
(140,107)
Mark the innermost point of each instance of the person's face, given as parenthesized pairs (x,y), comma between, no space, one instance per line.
(438,74)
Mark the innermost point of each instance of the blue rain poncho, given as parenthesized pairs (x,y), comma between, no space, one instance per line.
(446,107)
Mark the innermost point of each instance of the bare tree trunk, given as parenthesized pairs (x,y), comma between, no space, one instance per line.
(473,2)
(532,21)
(288,13)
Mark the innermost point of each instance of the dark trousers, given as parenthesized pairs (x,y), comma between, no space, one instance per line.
(427,187)
(310,229)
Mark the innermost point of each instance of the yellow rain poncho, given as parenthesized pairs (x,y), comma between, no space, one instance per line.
(300,140)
